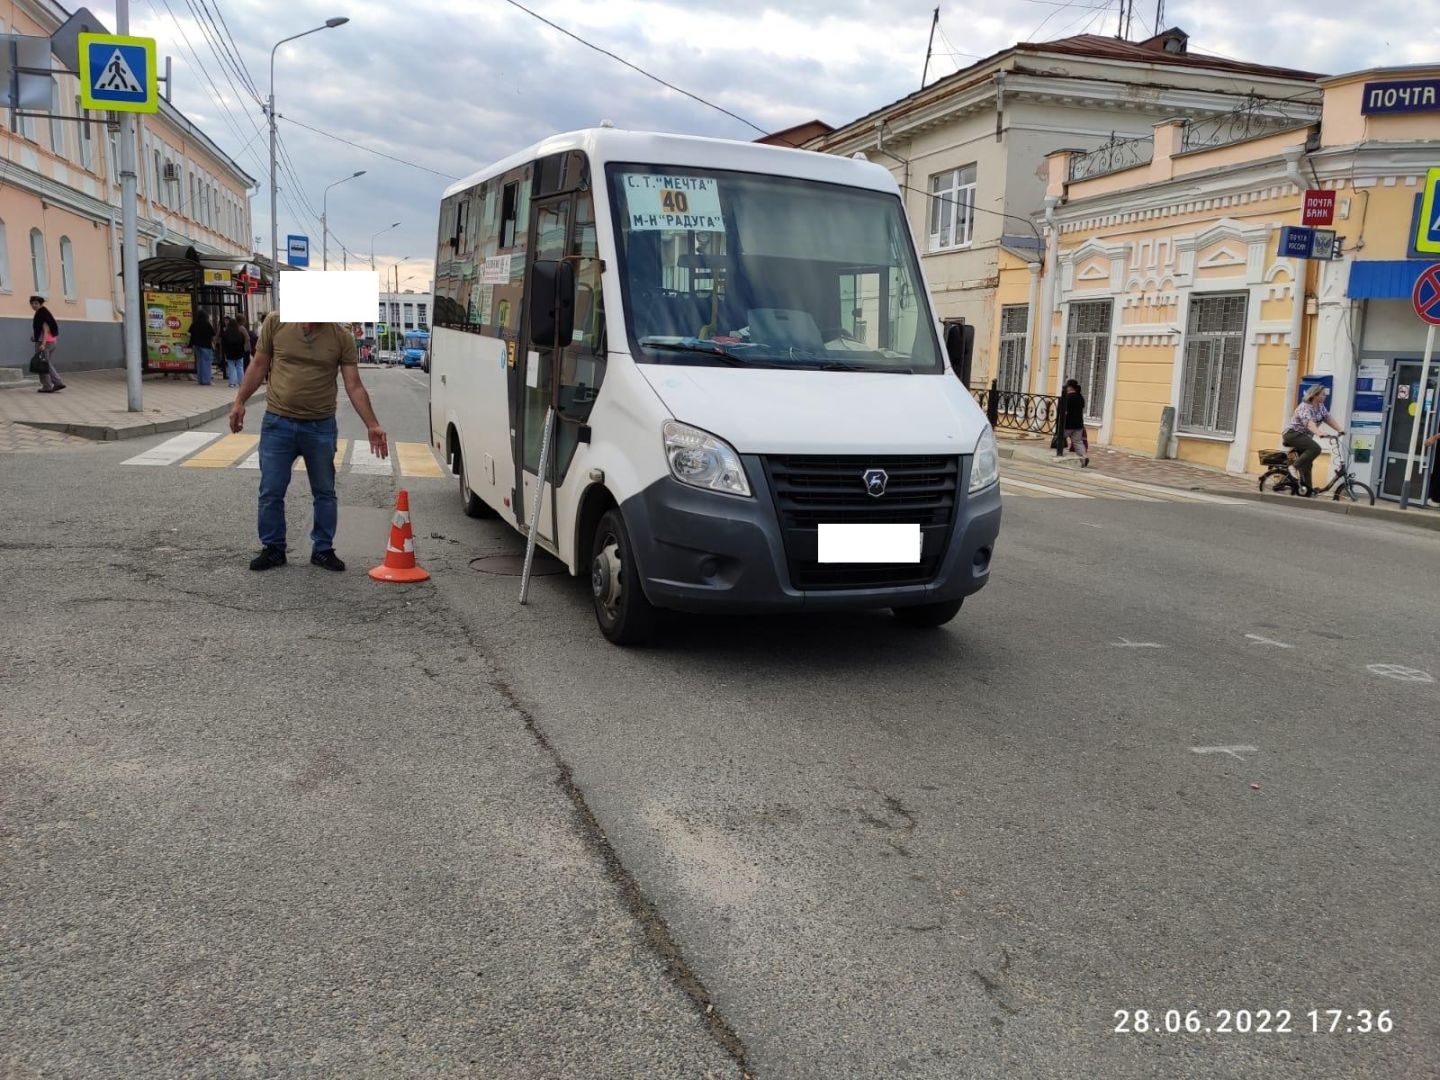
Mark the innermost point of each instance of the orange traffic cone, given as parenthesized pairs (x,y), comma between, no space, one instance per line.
(399,564)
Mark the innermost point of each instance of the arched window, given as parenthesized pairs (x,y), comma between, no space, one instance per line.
(37,262)
(67,267)
(5,284)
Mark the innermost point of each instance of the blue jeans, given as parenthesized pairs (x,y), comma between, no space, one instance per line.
(204,365)
(282,440)
(234,371)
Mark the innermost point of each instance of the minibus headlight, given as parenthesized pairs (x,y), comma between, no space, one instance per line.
(701,460)
(985,466)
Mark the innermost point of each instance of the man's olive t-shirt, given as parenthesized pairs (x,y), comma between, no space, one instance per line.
(303,366)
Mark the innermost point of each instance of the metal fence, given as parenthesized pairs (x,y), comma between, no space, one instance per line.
(1010,410)
(1113,156)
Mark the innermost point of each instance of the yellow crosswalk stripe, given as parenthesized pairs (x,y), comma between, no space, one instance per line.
(416,459)
(224,453)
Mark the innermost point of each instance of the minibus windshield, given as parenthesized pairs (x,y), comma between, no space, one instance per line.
(738,269)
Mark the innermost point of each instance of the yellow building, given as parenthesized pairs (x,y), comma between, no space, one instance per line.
(1170,290)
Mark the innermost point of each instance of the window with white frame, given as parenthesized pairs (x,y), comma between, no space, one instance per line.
(1014,342)
(67,267)
(1087,353)
(57,125)
(952,208)
(37,262)
(87,138)
(1214,353)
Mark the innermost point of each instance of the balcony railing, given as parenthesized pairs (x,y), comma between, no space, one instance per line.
(1115,155)
(1254,117)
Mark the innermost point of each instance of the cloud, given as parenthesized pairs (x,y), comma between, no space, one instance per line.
(455,86)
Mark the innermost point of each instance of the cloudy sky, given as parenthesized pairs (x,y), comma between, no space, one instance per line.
(453,86)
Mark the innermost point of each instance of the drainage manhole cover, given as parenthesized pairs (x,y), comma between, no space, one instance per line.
(513,565)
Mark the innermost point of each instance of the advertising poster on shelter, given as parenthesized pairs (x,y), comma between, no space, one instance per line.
(167,325)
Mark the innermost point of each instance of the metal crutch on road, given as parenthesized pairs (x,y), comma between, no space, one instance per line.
(539,504)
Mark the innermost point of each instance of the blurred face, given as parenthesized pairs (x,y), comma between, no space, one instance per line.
(35,305)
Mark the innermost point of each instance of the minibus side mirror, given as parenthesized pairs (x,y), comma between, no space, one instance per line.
(960,347)
(552,303)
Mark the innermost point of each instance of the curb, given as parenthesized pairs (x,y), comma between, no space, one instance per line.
(107,433)
(1421,520)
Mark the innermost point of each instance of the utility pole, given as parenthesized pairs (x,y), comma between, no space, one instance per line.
(129,249)
(926,72)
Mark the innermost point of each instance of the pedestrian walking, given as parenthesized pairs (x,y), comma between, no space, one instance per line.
(1304,424)
(301,361)
(1072,415)
(44,333)
(234,344)
(202,345)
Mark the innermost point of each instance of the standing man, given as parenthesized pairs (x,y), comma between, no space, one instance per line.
(44,332)
(301,360)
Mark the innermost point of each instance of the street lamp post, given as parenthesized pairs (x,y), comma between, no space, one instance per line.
(330,24)
(386,229)
(325,221)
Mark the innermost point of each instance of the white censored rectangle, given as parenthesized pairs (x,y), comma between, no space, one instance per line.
(329,296)
(869,543)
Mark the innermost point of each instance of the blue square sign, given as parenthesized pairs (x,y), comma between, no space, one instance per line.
(118,73)
(1296,242)
(297,250)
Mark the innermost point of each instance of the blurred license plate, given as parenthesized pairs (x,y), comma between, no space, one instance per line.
(869,543)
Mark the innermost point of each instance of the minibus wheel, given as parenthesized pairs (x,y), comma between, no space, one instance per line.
(928,614)
(625,616)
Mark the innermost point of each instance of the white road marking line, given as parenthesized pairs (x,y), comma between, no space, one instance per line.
(1059,493)
(1258,640)
(251,462)
(1400,672)
(173,449)
(363,460)
(1233,751)
(1126,643)
(1091,525)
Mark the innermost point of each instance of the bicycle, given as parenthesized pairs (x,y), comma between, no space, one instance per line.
(1277,476)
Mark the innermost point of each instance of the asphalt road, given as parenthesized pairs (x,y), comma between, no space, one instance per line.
(304,824)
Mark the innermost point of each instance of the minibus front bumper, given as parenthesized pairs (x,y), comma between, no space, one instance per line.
(702,551)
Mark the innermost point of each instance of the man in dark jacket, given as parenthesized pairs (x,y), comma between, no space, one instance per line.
(44,332)
(1072,422)
(202,345)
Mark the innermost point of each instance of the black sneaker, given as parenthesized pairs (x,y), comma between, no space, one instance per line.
(268,559)
(328,559)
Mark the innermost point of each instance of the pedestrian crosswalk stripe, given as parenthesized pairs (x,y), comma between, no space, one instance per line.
(223,454)
(365,461)
(417,460)
(1044,489)
(173,449)
(193,449)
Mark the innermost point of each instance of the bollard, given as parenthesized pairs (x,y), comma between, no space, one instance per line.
(1167,431)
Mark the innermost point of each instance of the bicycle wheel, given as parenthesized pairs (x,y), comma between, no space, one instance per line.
(1276,481)
(1355,491)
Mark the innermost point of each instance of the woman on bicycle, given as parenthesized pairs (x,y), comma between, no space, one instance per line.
(1304,426)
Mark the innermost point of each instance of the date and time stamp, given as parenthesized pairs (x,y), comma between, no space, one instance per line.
(1152,1022)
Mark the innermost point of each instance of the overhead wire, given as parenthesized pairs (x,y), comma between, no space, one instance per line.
(228,60)
(225,27)
(368,150)
(635,67)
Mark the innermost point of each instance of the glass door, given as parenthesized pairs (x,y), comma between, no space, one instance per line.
(1404,411)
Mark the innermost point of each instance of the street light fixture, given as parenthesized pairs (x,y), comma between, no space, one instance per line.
(324,221)
(386,229)
(330,24)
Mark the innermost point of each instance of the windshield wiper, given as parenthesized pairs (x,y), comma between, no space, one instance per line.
(693,347)
(841,365)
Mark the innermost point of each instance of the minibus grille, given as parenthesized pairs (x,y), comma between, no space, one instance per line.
(811,489)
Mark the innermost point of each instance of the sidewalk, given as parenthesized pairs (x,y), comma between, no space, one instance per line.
(92,407)
(1130,465)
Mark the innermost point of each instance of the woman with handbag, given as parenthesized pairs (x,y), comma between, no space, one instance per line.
(44,332)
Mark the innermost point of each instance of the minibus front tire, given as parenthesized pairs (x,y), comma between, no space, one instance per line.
(928,615)
(625,614)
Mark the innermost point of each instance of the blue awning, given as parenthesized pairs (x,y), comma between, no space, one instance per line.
(1384,279)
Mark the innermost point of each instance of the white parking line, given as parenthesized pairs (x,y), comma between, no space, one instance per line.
(173,449)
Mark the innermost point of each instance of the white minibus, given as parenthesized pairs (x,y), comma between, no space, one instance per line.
(753,408)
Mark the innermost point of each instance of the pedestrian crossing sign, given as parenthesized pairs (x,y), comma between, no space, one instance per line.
(1427,224)
(118,73)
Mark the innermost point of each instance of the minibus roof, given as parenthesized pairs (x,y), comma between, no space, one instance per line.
(603,145)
